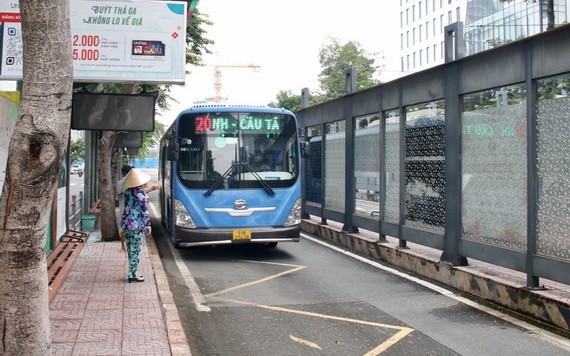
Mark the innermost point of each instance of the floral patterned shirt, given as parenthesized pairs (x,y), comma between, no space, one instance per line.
(135,214)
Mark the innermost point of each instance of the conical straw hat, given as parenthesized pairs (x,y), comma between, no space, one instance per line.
(135,178)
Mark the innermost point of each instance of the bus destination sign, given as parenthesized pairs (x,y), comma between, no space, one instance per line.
(248,124)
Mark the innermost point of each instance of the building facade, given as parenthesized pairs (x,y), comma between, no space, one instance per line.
(487,23)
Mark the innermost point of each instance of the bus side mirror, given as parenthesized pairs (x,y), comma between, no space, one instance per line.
(173,151)
(305,149)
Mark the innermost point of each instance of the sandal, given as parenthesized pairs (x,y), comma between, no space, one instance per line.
(136,279)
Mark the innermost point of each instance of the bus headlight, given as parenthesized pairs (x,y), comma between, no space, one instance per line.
(294,217)
(182,217)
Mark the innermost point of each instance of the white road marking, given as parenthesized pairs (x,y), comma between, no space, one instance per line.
(305,342)
(195,292)
(538,332)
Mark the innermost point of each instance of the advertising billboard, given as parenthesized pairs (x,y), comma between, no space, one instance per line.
(112,41)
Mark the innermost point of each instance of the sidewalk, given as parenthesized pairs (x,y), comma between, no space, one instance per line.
(96,312)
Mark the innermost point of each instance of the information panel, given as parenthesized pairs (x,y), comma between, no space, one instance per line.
(113,112)
(112,41)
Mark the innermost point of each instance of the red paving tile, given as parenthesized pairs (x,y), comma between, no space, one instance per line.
(65,331)
(145,347)
(99,348)
(62,349)
(70,311)
(97,312)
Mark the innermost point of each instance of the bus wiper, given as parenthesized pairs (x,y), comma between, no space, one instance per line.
(266,186)
(220,180)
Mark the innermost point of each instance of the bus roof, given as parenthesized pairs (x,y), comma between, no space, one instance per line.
(234,108)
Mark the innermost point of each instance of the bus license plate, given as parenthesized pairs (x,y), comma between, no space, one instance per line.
(241,235)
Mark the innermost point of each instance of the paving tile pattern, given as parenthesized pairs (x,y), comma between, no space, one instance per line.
(96,312)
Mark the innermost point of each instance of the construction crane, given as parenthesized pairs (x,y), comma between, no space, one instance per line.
(218,76)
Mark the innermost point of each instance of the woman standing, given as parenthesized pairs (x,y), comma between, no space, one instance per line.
(135,220)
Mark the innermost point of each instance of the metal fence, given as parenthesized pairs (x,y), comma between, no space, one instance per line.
(75,212)
(470,157)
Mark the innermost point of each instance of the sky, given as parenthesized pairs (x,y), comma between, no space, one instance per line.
(284,39)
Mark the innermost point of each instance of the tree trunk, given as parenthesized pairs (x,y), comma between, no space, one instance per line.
(115,164)
(35,158)
(550,15)
(107,190)
(107,179)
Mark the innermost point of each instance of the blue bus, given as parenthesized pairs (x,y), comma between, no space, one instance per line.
(231,175)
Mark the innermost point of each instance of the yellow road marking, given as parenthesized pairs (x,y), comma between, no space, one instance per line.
(391,341)
(318,315)
(298,268)
(271,263)
(305,342)
(402,331)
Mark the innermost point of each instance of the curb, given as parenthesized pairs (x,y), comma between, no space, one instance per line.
(541,305)
(179,345)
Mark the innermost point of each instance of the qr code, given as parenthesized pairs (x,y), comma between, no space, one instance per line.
(13,48)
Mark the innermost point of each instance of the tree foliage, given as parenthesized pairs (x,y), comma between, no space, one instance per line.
(287,100)
(513,94)
(551,88)
(150,139)
(336,58)
(196,38)
(496,42)
(77,149)
(292,102)
(547,88)
(550,11)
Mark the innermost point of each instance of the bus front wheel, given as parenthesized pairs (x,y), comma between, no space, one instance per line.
(174,243)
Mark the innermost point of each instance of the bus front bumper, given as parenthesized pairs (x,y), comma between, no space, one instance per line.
(262,235)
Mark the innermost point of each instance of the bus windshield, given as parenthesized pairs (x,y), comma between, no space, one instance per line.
(233,150)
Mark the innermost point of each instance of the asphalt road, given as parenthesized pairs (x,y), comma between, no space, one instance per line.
(306,299)
(76,184)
